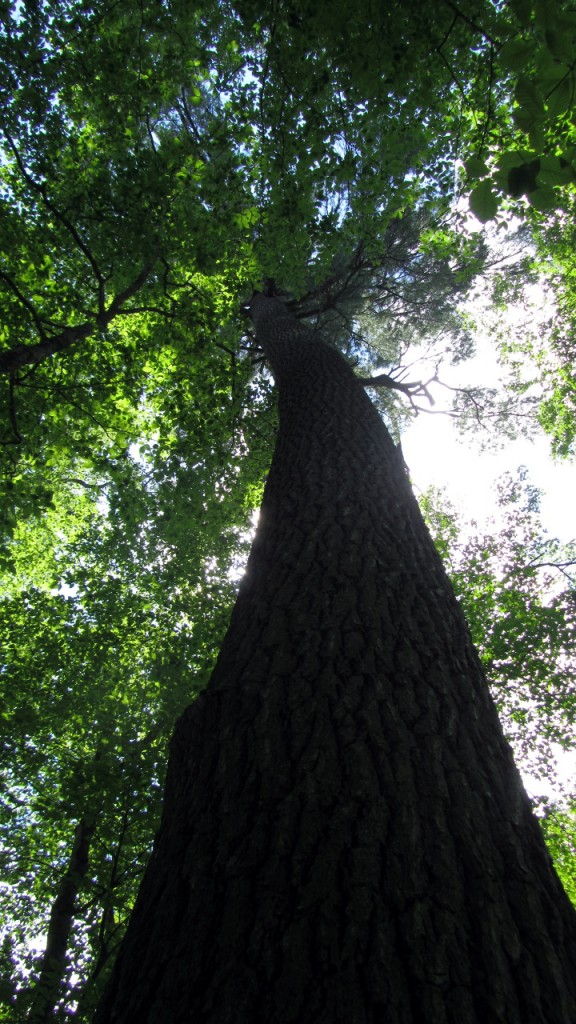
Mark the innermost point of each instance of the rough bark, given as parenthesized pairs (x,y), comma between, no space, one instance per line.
(345,836)
(48,989)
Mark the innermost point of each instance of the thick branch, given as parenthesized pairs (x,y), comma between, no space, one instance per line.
(26,355)
(30,355)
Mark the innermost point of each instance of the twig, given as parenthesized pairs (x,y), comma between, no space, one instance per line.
(41,190)
(25,302)
(468,21)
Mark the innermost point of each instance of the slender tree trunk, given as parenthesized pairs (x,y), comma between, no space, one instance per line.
(345,837)
(49,987)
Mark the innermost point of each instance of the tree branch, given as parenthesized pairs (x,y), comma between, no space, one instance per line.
(413,389)
(559,566)
(26,355)
(468,21)
(25,302)
(70,228)
(135,286)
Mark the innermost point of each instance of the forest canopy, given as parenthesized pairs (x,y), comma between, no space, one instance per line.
(158,162)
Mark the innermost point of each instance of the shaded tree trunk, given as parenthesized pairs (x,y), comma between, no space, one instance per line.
(345,837)
(50,985)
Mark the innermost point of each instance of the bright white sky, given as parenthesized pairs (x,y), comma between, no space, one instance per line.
(436,454)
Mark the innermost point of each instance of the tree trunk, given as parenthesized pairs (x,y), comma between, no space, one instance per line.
(49,987)
(345,837)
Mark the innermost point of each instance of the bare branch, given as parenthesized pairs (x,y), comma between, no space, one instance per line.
(412,389)
(560,566)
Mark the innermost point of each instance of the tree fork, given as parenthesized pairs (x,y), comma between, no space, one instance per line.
(21,355)
(345,837)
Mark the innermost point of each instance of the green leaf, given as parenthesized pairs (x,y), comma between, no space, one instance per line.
(475,167)
(537,137)
(514,158)
(522,179)
(523,11)
(560,44)
(484,202)
(554,171)
(562,97)
(530,102)
(515,54)
(543,199)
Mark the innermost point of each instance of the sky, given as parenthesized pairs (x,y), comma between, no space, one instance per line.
(439,455)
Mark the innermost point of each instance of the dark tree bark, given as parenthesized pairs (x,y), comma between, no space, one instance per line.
(345,837)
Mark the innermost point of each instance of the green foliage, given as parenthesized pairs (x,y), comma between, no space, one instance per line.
(517,589)
(106,641)
(535,338)
(556,250)
(527,148)
(483,201)
(559,827)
